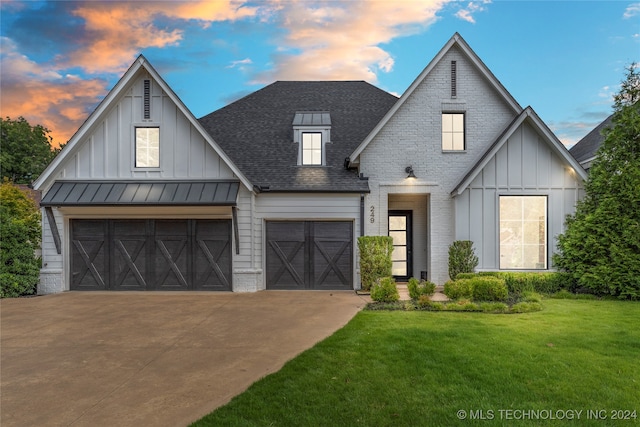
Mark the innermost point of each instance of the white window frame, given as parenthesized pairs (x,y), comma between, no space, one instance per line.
(515,228)
(325,133)
(452,132)
(314,151)
(136,147)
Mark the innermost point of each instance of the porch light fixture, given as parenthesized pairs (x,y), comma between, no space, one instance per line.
(409,170)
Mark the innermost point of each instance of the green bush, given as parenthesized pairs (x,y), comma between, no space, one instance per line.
(417,288)
(462,258)
(20,237)
(493,307)
(431,305)
(529,296)
(463,304)
(465,276)
(541,282)
(375,259)
(455,289)
(385,290)
(489,289)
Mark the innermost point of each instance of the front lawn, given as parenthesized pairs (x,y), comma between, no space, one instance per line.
(421,368)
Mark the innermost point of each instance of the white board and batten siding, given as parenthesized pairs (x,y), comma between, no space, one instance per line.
(107,150)
(305,207)
(524,165)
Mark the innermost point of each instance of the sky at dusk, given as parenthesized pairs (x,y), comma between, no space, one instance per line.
(59,59)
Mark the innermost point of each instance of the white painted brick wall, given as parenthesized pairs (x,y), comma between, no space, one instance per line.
(413,137)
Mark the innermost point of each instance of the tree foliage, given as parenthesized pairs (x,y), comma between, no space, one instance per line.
(20,237)
(601,245)
(462,258)
(25,150)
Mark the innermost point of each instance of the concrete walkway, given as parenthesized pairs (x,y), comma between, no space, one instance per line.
(153,359)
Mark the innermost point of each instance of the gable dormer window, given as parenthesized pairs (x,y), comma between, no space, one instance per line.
(312,148)
(312,131)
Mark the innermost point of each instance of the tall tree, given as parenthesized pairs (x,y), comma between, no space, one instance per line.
(19,238)
(601,245)
(25,150)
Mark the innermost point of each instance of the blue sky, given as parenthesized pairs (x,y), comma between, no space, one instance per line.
(59,59)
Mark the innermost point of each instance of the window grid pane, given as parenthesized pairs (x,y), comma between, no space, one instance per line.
(311,148)
(452,131)
(523,232)
(148,147)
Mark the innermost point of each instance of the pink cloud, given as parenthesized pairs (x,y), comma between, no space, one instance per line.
(341,40)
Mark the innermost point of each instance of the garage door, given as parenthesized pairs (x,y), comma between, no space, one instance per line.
(150,254)
(309,255)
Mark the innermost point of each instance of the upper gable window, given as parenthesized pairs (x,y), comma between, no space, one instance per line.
(147,147)
(312,131)
(453,132)
(312,148)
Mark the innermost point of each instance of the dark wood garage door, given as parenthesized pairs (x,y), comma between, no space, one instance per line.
(309,255)
(151,254)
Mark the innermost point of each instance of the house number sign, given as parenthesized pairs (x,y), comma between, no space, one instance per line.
(372,214)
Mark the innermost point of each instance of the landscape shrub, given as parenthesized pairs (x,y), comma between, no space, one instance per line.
(456,289)
(526,307)
(19,238)
(375,259)
(418,288)
(493,307)
(385,290)
(529,296)
(463,304)
(465,276)
(462,258)
(542,282)
(489,288)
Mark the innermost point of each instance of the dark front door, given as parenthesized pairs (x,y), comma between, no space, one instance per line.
(309,255)
(402,257)
(148,254)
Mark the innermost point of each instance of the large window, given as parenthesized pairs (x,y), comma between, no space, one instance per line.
(523,232)
(147,147)
(312,148)
(453,131)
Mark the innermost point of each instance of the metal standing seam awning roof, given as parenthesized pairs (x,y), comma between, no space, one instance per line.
(142,193)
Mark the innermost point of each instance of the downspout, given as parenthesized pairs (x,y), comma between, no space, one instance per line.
(361,214)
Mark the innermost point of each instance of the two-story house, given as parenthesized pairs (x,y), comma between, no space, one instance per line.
(272,191)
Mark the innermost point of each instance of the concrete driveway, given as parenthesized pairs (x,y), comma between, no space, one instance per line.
(154,359)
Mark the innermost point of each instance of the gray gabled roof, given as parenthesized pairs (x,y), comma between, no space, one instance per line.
(585,149)
(257,132)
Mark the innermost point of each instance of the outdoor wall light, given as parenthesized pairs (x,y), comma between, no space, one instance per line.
(409,170)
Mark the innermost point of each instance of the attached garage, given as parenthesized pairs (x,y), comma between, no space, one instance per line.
(309,255)
(150,254)
(144,253)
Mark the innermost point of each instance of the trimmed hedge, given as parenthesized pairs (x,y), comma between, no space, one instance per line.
(519,282)
(456,289)
(385,290)
(489,289)
(418,288)
(375,259)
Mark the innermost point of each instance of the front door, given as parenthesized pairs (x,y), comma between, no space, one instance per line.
(402,256)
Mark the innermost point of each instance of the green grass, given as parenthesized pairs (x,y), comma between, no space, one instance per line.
(406,368)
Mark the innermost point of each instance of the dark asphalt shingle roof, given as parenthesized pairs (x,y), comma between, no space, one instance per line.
(256,132)
(587,147)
